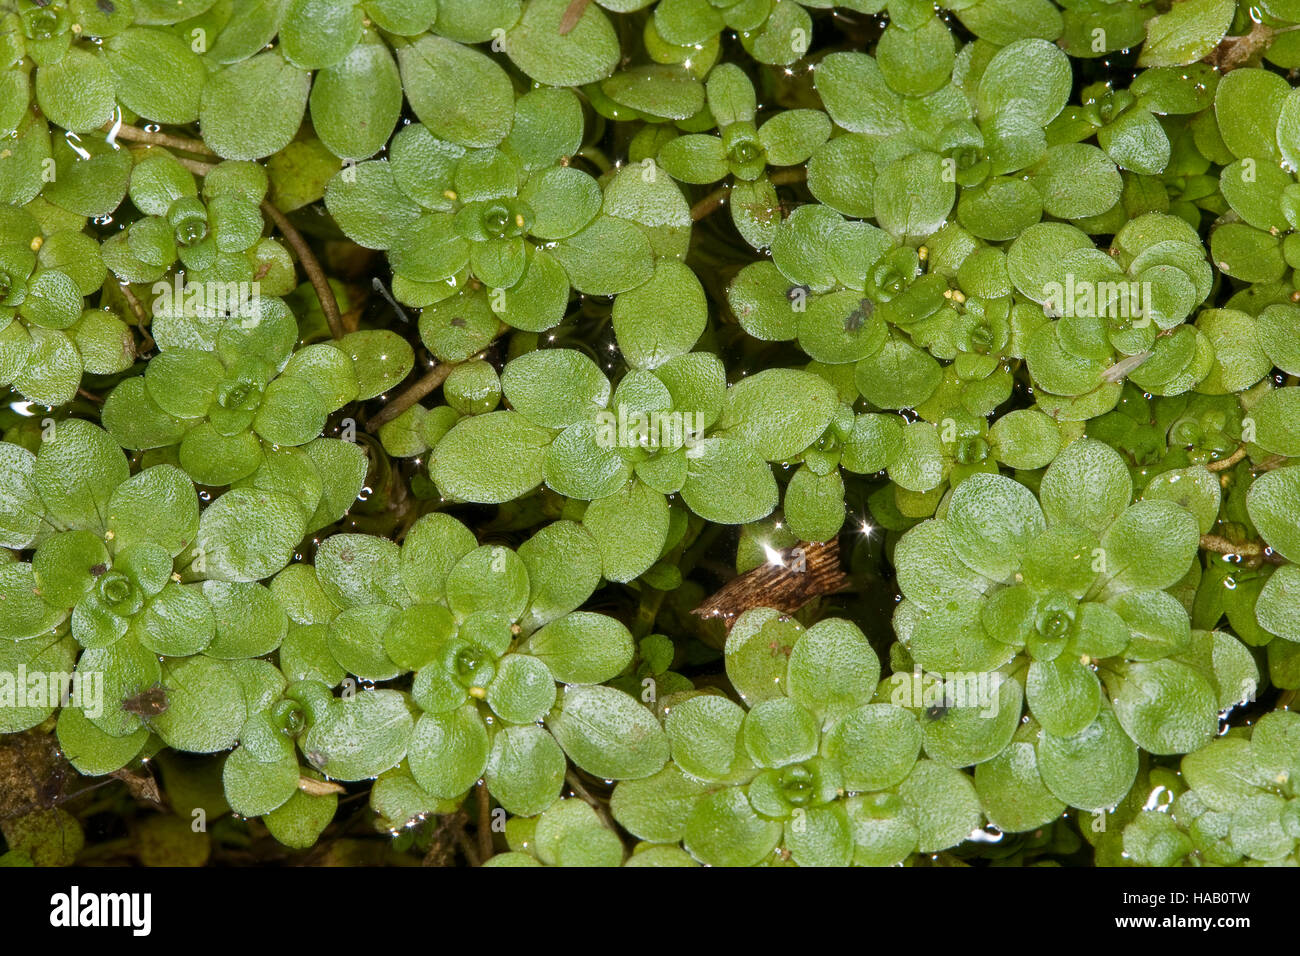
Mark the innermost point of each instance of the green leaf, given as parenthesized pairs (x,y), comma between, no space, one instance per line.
(1247,105)
(779,412)
(1278,605)
(728,482)
(1186,33)
(856,95)
(433,546)
(356,102)
(944,805)
(704,736)
(555,388)
(875,746)
(662,318)
(490,578)
(916,62)
(723,830)
(832,668)
(523,690)
(583,648)
(1088,485)
(814,505)
(361,736)
(525,770)
(249,534)
(91,750)
(1076,180)
(319,33)
(156,74)
(253,108)
(300,820)
(1273,503)
(1167,707)
(77,471)
(1151,544)
(448,752)
(1012,792)
(990,521)
(571,834)
(205,705)
(564,566)
(460,94)
(630,528)
(554,56)
(1031,76)
(656,808)
(77,91)
(912,197)
(490,458)
(607,733)
(1092,770)
(606,257)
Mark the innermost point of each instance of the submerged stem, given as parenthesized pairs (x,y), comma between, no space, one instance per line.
(311,265)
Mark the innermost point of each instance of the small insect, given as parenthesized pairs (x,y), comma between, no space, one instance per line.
(855,319)
(935,711)
(106,6)
(796,292)
(150,702)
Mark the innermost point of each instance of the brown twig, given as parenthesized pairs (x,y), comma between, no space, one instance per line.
(431,380)
(572,14)
(136,306)
(329,305)
(141,319)
(484,822)
(318,788)
(136,135)
(715,199)
(424,385)
(1232,52)
(463,841)
(787,582)
(571,778)
(1252,552)
(1223,464)
(194,166)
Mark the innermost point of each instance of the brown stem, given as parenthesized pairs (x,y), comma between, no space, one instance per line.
(464,842)
(716,198)
(194,166)
(329,305)
(572,14)
(485,850)
(141,318)
(710,202)
(136,135)
(135,304)
(1224,464)
(579,790)
(431,380)
(1254,552)
(1269,463)
(1232,52)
